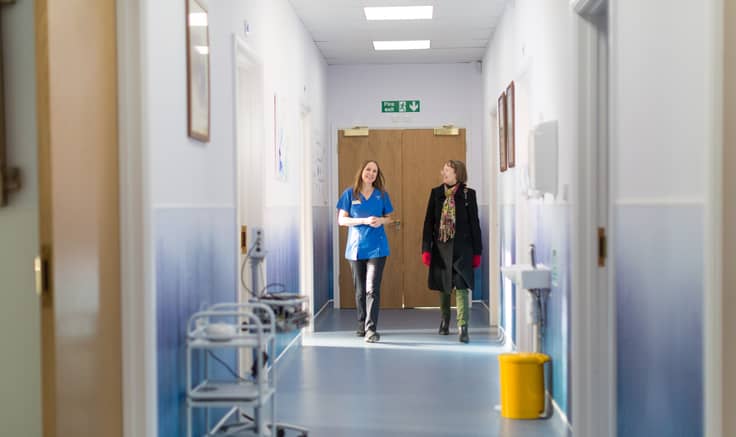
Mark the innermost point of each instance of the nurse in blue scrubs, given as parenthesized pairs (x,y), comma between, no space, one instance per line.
(364,208)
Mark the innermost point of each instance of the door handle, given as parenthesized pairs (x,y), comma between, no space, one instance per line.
(38,272)
(397,224)
(41,273)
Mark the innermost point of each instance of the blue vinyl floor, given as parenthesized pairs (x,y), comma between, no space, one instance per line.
(412,383)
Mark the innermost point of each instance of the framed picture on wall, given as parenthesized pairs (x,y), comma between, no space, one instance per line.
(502,132)
(510,126)
(198,71)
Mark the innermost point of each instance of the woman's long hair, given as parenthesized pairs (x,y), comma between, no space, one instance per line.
(377,184)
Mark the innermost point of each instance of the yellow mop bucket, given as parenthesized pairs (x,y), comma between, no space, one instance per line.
(522,385)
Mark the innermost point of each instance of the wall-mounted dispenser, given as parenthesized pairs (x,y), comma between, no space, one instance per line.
(543,157)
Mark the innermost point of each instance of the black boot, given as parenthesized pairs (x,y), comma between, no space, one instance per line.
(444,327)
(463,337)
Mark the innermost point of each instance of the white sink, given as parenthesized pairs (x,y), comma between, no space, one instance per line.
(527,277)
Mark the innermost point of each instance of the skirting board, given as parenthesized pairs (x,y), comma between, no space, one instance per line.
(322,309)
(298,338)
(561,424)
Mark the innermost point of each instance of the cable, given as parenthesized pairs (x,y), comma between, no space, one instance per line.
(225,365)
(242,275)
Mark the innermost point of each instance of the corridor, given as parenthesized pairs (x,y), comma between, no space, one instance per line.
(413,383)
(159,158)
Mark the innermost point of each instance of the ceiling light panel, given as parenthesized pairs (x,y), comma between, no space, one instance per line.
(401,45)
(399,13)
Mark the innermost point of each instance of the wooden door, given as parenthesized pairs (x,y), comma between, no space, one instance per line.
(383,146)
(76,81)
(423,155)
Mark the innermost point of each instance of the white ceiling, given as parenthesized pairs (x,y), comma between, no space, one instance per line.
(459,31)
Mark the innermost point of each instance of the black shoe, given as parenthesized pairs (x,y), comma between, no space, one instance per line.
(444,327)
(360,332)
(463,337)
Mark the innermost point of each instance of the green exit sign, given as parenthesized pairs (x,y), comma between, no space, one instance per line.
(400,106)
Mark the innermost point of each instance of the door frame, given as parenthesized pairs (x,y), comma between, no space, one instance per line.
(717,247)
(306,222)
(495,291)
(333,188)
(593,297)
(245,58)
(334,178)
(138,298)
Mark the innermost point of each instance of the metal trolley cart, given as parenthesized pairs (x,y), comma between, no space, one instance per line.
(248,326)
(221,326)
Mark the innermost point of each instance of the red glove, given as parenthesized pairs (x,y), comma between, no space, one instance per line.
(426,258)
(476,261)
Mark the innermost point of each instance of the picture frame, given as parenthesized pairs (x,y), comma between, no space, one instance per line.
(510,126)
(503,163)
(198,71)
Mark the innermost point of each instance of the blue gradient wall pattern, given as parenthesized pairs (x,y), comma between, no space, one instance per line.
(323,256)
(195,266)
(282,259)
(507,247)
(659,318)
(482,288)
(551,236)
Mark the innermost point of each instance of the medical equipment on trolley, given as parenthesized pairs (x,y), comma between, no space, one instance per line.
(249,326)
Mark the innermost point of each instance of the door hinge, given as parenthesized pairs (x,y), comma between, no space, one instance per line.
(243,239)
(42,273)
(10,177)
(602,247)
(10,182)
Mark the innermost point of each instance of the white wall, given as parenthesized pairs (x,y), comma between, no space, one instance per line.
(448,94)
(534,46)
(294,69)
(664,133)
(191,212)
(661,160)
(187,171)
(184,171)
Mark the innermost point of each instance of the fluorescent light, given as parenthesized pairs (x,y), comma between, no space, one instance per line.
(399,13)
(202,50)
(198,19)
(401,45)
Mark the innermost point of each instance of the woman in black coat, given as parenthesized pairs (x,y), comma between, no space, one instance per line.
(451,244)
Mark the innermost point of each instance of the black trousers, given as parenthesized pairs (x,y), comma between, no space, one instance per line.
(367,274)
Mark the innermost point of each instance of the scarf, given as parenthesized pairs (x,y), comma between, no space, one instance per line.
(447,219)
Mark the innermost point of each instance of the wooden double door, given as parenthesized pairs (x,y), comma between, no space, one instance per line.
(410,161)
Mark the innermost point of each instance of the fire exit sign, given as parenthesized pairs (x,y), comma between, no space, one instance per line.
(400,106)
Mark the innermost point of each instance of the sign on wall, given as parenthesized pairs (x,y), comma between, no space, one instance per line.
(400,106)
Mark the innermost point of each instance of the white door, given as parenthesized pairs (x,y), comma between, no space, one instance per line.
(20,321)
(20,309)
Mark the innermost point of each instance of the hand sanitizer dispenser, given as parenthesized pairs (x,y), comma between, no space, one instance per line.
(543,158)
